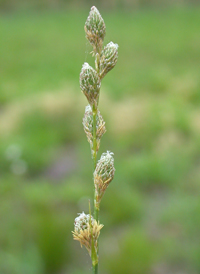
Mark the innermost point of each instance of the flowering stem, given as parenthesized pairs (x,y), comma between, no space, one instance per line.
(94,127)
(87,227)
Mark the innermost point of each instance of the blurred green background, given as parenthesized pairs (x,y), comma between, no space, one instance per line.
(150,102)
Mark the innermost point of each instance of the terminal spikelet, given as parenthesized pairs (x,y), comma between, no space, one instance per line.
(95,29)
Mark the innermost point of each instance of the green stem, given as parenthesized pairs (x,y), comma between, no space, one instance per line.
(96,209)
(94,111)
(95,269)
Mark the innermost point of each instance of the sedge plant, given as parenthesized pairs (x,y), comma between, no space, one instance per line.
(87,226)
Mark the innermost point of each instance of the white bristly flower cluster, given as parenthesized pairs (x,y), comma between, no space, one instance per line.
(81,222)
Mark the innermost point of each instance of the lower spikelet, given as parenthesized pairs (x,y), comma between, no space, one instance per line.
(86,230)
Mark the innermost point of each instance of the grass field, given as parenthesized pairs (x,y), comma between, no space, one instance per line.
(150,103)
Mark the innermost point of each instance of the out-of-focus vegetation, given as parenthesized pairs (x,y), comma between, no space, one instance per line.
(9,5)
(150,103)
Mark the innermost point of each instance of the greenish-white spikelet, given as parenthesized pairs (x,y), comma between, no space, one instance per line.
(88,126)
(103,175)
(108,60)
(95,29)
(90,84)
(105,167)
